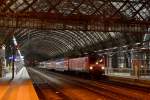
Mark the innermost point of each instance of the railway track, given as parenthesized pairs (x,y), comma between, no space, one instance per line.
(42,86)
(110,90)
(105,90)
(56,90)
(103,80)
(106,81)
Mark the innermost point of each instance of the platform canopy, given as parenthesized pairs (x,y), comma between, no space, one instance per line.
(55,28)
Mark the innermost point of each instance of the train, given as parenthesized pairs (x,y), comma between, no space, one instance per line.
(93,65)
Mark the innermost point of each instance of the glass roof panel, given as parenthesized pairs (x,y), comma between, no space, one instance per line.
(117,4)
(18,5)
(87,38)
(86,9)
(93,37)
(145,13)
(41,5)
(99,33)
(112,34)
(98,3)
(76,37)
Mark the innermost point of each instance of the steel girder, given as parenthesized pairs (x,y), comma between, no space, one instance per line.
(44,20)
(111,15)
(66,39)
(91,21)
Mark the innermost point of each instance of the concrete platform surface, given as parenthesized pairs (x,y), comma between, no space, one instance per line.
(20,88)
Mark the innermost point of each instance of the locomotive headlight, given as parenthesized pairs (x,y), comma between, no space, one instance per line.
(102,67)
(101,61)
(91,68)
(96,63)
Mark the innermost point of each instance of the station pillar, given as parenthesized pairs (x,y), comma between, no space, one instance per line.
(108,69)
(1,67)
(13,62)
(2,55)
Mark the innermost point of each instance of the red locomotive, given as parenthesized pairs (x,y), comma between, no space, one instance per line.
(94,65)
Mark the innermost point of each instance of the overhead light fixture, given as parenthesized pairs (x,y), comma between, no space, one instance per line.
(85,53)
(115,47)
(125,46)
(3,47)
(143,48)
(138,43)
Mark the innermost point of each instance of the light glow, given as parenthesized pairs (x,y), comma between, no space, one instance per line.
(96,63)
(142,66)
(14,40)
(91,68)
(102,67)
(101,61)
(3,47)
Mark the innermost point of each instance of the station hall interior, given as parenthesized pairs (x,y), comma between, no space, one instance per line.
(74,50)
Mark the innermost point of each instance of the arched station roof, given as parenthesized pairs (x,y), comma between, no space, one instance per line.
(62,27)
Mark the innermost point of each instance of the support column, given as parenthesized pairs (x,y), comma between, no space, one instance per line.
(109,63)
(1,68)
(13,63)
(2,56)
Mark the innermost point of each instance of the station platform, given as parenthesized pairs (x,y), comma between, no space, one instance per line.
(20,88)
(130,80)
